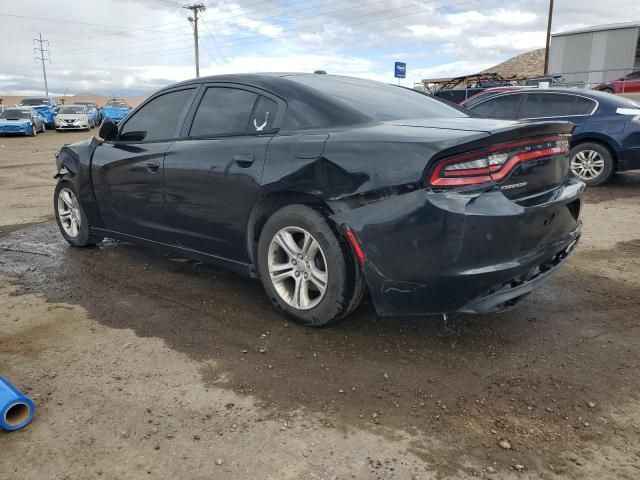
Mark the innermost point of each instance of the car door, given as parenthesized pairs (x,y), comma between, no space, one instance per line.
(128,173)
(632,83)
(213,173)
(501,106)
(557,106)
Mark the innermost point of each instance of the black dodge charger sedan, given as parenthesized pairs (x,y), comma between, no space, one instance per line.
(326,186)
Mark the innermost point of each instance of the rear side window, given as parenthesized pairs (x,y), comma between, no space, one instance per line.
(552,105)
(225,111)
(264,115)
(501,107)
(158,119)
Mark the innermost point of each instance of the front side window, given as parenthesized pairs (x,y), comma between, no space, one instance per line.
(552,105)
(503,107)
(159,119)
(225,111)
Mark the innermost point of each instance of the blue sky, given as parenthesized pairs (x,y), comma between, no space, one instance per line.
(130,47)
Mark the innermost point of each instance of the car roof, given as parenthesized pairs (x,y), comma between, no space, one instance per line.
(278,83)
(601,97)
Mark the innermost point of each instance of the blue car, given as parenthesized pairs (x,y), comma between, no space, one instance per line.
(116,110)
(21,121)
(46,108)
(606,137)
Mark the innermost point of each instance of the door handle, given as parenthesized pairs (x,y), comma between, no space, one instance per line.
(244,159)
(152,165)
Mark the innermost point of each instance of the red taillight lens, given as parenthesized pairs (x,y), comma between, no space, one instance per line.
(496,162)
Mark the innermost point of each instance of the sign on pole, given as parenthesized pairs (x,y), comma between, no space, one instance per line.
(400,70)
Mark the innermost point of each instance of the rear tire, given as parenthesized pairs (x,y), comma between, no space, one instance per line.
(71,218)
(592,162)
(330,258)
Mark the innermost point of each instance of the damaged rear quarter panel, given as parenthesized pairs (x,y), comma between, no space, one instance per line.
(356,161)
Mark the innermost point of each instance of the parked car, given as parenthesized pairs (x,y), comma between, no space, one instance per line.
(74,117)
(628,84)
(47,108)
(606,137)
(116,110)
(93,110)
(21,121)
(323,185)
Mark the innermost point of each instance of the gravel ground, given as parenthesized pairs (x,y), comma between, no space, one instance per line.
(144,365)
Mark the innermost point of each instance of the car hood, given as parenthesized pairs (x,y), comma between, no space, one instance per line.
(115,110)
(15,122)
(71,116)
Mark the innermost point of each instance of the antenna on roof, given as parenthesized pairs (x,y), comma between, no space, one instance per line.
(320,72)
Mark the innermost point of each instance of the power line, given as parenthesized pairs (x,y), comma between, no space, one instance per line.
(45,54)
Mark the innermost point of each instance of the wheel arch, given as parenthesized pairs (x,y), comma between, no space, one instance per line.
(600,140)
(268,205)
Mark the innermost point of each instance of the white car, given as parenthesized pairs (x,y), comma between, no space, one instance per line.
(74,117)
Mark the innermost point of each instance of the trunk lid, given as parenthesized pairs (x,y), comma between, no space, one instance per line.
(543,167)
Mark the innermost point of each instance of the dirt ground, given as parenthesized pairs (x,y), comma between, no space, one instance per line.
(144,365)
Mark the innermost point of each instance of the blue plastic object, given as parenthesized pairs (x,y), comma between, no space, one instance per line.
(16,409)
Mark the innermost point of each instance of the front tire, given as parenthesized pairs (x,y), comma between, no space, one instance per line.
(307,268)
(71,218)
(592,162)
(33,131)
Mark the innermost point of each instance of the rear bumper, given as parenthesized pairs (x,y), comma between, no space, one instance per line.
(432,253)
(629,159)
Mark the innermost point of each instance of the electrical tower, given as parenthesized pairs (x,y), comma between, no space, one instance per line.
(195,8)
(45,55)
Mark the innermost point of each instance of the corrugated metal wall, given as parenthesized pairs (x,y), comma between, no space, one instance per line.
(613,50)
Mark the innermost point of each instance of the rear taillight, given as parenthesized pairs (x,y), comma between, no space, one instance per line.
(496,162)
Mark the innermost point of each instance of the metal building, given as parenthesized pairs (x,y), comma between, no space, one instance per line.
(596,54)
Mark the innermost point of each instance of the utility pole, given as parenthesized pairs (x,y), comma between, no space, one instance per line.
(546,51)
(195,8)
(43,56)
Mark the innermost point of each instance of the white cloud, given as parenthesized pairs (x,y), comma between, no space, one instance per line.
(144,45)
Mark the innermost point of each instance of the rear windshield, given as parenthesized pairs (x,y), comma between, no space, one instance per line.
(15,114)
(71,109)
(34,101)
(379,101)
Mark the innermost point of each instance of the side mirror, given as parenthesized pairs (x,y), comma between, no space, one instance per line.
(108,130)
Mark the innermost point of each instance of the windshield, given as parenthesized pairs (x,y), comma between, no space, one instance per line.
(15,114)
(88,104)
(71,109)
(34,101)
(380,101)
(116,104)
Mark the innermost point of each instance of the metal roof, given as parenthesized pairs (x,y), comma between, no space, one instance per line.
(600,28)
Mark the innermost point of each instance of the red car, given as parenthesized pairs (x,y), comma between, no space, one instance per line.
(628,84)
